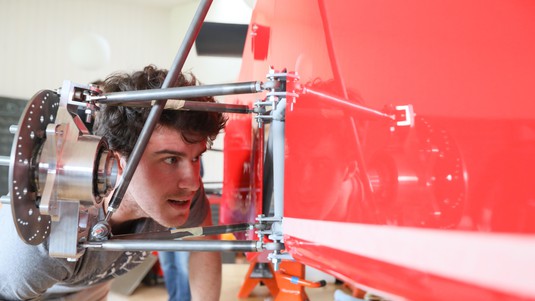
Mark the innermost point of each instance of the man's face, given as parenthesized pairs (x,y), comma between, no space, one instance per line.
(166,179)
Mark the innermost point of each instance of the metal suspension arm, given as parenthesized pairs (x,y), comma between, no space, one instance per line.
(175,245)
(363,110)
(188,232)
(143,97)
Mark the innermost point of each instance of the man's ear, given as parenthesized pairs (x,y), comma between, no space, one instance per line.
(121,162)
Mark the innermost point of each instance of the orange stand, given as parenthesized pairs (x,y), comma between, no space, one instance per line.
(259,272)
(288,280)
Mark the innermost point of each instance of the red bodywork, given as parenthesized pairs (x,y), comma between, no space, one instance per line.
(443,209)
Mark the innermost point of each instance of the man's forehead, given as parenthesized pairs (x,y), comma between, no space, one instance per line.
(191,135)
(162,144)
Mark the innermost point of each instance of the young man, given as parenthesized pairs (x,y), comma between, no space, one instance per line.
(166,191)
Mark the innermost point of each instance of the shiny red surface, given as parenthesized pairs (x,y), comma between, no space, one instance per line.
(466,164)
(392,278)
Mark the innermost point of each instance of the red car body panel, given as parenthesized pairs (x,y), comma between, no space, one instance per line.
(441,209)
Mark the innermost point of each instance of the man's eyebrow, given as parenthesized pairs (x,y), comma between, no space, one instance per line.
(176,153)
(169,152)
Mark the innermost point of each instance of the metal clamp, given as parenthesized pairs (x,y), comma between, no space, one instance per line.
(276,90)
(404,115)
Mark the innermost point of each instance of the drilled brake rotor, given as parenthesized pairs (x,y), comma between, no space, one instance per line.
(41,110)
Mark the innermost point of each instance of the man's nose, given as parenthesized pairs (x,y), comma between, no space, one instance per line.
(189,177)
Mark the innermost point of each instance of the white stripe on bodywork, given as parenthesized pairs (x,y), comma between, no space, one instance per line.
(503,262)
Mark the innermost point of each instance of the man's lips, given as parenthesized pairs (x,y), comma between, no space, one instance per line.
(181,204)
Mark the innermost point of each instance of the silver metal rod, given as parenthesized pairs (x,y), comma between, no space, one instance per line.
(157,109)
(175,245)
(5,199)
(278,128)
(216,107)
(4,160)
(13,128)
(188,92)
(367,112)
(187,105)
(188,232)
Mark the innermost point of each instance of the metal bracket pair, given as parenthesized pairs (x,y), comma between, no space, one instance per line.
(273,110)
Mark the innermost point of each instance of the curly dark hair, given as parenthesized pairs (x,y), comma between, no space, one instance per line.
(122,125)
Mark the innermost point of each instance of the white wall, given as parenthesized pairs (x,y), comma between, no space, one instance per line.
(43,42)
(36,37)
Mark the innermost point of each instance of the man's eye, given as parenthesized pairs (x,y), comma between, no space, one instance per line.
(170,160)
(196,159)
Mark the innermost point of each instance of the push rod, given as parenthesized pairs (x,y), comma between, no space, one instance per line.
(215,107)
(190,105)
(365,111)
(175,245)
(123,98)
(188,232)
(158,108)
